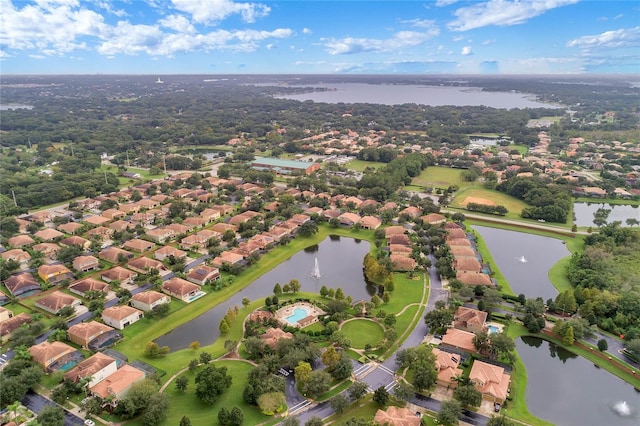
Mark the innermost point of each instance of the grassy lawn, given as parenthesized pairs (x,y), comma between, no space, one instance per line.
(364,408)
(616,201)
(186,404)
(439,177)
(362,332)
(522,149)
(512,204)
(359,165)
(407,291)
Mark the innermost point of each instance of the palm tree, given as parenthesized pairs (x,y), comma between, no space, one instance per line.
(481,342)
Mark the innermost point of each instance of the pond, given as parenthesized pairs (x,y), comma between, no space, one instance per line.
(339,261)
(583,213)
(524,259)
(568,390)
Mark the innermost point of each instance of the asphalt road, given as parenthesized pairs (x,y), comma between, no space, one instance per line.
(37,403)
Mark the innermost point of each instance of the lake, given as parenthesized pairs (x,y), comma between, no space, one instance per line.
(10,107)
(397,94)
(340,262)
(568,390)
(583,213)
(524,259)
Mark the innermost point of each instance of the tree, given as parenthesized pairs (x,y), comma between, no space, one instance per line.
(318,383)
(236,416)
(357,390)
(500,420)
(566,301)
(404,391)
(603,345)
(195,345)
(339,403)
(152,350)
(308,229)
(568,337)
(51,415)
(438,319)
(314,421)
(501,344)
(302,372)
(324,291)
(343,368)
(185,421)
(211,382)
(271,402)
(381,396)
(295,286)
(245,301)
(156,410)
(205,358)
(277,290)
(224,327)
(193,364)
(468,395)
(223,416)
(450,412)
(330,357)
(290,421)
(181,383)
(534,307)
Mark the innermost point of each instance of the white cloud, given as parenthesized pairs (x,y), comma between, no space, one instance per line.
(177,23)
(37,56)
(107,6)
(4,54)
(466,51)
(398,41)
(624,37)
(501,13)
(441,3)
(306,31)
(458,38)
(212,11)
(429,24)
(488,42)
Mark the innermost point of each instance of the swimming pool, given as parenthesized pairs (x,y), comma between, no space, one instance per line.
(68,365)
(493,329)
(196,296)
(298,314)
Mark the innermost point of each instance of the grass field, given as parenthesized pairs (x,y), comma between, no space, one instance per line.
(362,332)
(359,165)
(439,177)
(512,204)
(186,404)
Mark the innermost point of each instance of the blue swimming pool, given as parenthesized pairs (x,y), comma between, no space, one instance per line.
(493,329)
(68,366)
(297,315)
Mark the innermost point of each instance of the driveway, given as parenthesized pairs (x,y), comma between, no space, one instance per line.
(36,403)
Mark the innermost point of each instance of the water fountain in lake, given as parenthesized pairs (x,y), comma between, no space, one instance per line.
(622,408)
(315,274)
(522,259)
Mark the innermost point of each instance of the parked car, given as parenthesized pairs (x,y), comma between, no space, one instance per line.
(496,407)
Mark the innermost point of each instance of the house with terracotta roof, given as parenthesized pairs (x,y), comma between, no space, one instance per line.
(12,324)
(93,335)
(48,234)
(100,231)
(349,219)
(21,283)
(411,211)
(70,227)
(143,265)
(20,241)
(115,255)
(210,215)
(203,274)
(396,416)
(121,225)
(85,263)
(97,368)
(5,314)
(55,301)
(272,335)
(161,235)
(76,241)
(138,245)
(120,316)
(85,285)
(227,257)
(17,255)
(113,214)
(116,386)
(433,218)
(459,339)
(473,279)
(147,300)
(491,380)
(467,264)
(96,220)
(399,239)
(54,274)
(400,249)
(402,263)
(448,367)
(118,273)
(180,289)
(459,252)
(53,355)
(370,222)
(464,242)
(469,319)
(50,250)
(167,251)
(177,228)
(456,233)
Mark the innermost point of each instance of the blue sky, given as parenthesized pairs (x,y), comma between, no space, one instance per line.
(310,37)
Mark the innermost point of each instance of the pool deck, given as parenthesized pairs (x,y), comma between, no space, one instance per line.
(312,314)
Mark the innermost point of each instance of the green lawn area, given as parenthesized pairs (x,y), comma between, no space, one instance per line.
(439,177)
(522,149)
(144,174)
(186,404)
(362,332)
(512,204)
(359,165)
(615,201)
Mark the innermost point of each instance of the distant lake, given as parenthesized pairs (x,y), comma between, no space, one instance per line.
(584,213)
(8,107)
(396,94)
